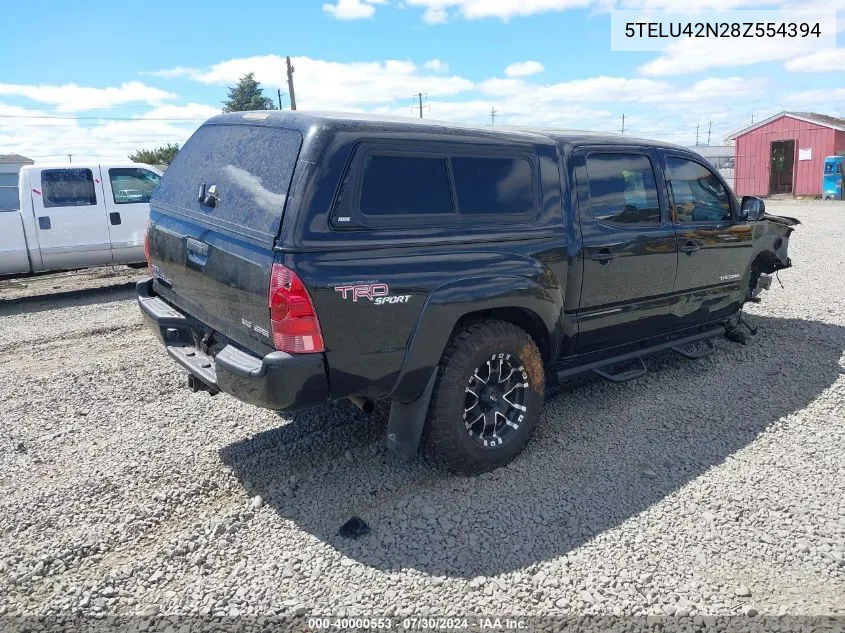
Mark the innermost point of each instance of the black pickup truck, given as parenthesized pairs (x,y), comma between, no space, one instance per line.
(300,258)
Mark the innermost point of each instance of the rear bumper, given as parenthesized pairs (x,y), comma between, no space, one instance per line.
(278,381)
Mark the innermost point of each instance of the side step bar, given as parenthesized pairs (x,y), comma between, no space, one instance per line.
(695,355)
(624,376)
(676,345)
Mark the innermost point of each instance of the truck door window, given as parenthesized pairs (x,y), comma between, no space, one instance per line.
(68,188)
(623,189)
(696,193)
(405,185)
(131,185)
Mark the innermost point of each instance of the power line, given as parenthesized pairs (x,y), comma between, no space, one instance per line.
(89,106)
(75,154)
(96,118)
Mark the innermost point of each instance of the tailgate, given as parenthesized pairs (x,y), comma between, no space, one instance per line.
(214,220)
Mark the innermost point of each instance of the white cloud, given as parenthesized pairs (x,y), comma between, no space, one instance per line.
(53,138)
(695,5)
(352,9)
(720,87)
(524,69)
(434,15)
(689,56)
(654,107)
(188,112)
(436,66)
(821,5)
(72,98)
(324,84)
(437,11)
(170,73)
(829,101)
(517,111)
(827,61)
(594,89)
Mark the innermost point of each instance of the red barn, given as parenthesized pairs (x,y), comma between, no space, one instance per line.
(785,153)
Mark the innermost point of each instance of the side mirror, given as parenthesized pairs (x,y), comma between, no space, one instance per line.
(753,208)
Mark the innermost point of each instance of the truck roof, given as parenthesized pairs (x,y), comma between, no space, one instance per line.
(303,121)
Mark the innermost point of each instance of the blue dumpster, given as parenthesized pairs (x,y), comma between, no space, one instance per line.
(832,188)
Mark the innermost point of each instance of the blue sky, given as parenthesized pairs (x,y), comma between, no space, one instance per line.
(98,80)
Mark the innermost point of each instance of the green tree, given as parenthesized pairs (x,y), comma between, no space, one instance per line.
(247,94)
(163,155)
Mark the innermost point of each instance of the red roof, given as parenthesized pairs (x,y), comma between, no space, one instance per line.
(823,120)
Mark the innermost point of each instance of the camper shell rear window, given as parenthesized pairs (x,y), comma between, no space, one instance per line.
(234,177)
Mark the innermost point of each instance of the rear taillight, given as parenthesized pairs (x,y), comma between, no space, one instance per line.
(147,249)
(293,321)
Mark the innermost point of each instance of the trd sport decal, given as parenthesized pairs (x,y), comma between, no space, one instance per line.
(379,294)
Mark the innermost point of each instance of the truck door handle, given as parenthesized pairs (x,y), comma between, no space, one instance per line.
(197,252)
(603,255)
(114,218)
(690,246)
(196,247)
(44,223)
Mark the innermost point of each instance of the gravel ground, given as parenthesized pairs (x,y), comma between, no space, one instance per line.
(710,487)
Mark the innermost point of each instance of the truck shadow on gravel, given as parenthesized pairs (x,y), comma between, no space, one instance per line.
(602,453)
(58,299)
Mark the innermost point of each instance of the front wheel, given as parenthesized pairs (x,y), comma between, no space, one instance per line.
(487,399)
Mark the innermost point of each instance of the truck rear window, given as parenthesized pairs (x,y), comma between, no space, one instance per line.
(250,168)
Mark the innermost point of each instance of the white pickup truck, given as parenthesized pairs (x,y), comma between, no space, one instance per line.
(76,215)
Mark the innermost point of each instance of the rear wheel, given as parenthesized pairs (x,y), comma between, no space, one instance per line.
(487,399)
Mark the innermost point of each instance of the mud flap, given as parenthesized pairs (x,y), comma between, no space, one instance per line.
(406,422)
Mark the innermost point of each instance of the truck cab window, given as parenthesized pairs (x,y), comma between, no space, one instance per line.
(68,188)
(132,185)
(696,193)
(623,189)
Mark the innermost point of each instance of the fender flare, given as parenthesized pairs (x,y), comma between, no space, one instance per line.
(451,302)
(444,308)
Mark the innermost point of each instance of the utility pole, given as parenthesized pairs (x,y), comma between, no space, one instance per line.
(697,125)
(493,113)
(709,128)
(290,85)
(418,96)
(623,124)
(279,90)
(70,158)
